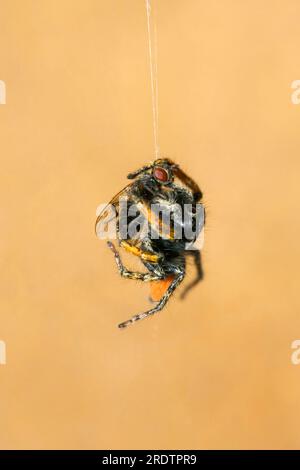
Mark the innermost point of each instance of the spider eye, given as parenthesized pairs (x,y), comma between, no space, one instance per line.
(161,174)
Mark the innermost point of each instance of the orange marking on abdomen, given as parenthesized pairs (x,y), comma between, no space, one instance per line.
(158,288)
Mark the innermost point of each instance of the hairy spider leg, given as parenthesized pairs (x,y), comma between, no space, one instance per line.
(160,305)
(132,248)
(137,276)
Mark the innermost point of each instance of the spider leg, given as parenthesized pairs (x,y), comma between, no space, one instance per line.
(160,305)
(199,274)
(154,276)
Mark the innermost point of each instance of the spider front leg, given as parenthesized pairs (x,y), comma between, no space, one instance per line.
(156,276)
(161,304)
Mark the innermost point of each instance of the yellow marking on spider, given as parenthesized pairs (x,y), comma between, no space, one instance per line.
(134,250)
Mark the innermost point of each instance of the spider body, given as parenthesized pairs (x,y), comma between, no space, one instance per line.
(158,245)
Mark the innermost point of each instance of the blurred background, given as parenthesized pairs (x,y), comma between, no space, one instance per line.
(214,370)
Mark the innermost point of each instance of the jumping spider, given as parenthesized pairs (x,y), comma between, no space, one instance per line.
(164,256)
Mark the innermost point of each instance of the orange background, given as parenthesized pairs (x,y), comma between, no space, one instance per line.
(215,370)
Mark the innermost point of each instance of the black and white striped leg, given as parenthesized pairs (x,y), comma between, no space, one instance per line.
(199,271)
(154,276)
(160,305)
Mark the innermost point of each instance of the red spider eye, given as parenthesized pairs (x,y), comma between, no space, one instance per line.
(161,174)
